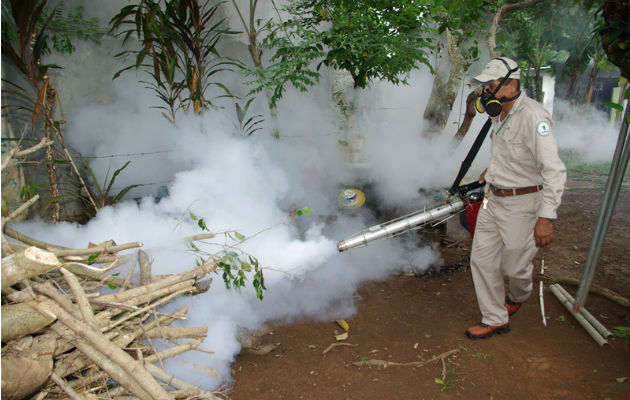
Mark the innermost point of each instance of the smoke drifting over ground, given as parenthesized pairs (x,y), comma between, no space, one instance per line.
(205,166)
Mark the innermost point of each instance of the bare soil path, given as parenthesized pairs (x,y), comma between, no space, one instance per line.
(413,319)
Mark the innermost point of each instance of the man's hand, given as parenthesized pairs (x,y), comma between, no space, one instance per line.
(543,232)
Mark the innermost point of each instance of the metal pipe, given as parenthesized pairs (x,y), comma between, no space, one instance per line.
(587,315)
(400,225)
(580,319)
(613,185)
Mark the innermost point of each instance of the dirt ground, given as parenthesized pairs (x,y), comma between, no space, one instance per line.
(415,319)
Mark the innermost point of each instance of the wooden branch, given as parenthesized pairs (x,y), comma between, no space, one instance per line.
(333,345)
(29,240)
(97,342)
(74,167)
(145,267)
(23,207)
(602,291)
(148,297)
(64,386)
(31,262)
(122,297)
(494,27)
(200,236)
(173,351)
(16,152)
(82,301)
(72,364)
(385,364)
(176,333)
(149,307)
(171,380)
(20,320)
(97,249)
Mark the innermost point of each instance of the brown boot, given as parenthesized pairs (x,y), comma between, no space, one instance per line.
(512,307)
(482,331)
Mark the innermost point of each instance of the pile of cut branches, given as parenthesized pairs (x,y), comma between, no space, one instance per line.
(72,329)
(64,336)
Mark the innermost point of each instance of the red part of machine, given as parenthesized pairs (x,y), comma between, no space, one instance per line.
(471,211)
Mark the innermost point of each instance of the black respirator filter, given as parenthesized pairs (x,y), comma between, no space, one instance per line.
(486,103)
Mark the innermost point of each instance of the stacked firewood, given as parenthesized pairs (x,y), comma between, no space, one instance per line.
(73,330)
(63,338)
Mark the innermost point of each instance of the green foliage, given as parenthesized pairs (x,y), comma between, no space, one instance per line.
(28,190)
(102,194)
(466,21)
(621,332)
(250,125)
(446,383)
(177,49)
(235,266)
(66,26)
(369,39)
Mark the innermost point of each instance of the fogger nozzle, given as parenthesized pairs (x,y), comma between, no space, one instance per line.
(401,225)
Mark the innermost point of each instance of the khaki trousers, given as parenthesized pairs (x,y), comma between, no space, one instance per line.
(503,248)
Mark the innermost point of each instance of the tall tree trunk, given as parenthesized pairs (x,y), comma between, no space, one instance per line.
(571,82)
(539,92)
(55,206)
(444,93)
(591,85)
(470,114)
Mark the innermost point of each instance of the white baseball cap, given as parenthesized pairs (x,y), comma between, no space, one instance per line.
(495,69)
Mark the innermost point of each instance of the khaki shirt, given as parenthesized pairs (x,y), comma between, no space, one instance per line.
(524,152)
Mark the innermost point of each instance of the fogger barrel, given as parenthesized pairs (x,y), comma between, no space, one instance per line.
(401,224)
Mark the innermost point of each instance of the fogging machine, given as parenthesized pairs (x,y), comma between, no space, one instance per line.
(468,199)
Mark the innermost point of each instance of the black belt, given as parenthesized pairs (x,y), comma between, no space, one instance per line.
(515,191)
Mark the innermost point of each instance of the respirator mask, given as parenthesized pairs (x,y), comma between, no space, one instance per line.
(488,102)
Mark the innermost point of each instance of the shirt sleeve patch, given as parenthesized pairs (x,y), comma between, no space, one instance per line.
(543,128)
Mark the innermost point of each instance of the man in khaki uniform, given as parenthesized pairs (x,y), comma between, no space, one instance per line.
(525,180)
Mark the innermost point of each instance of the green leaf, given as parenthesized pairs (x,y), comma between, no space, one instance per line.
(111,286)
(307,209)
(93,257)
(202,224)
(614,106)
(239,236)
